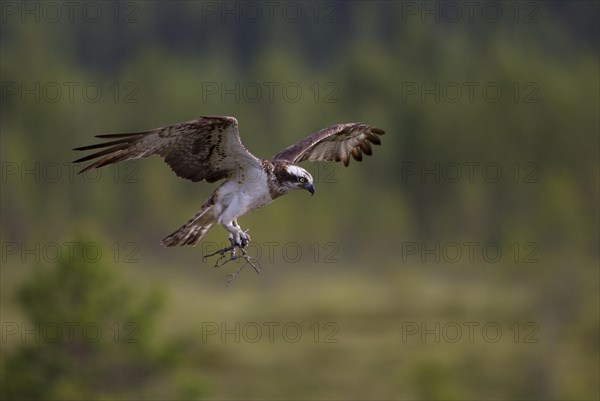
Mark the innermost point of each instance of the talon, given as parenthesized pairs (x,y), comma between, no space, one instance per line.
(245,239)
(233,239)
(238,242)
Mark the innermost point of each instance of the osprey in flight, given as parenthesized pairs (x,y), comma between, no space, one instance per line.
(209,149)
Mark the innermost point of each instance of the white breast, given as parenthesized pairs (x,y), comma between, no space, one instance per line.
(238,197)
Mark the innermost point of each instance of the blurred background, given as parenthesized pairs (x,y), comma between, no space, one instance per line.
(460,261)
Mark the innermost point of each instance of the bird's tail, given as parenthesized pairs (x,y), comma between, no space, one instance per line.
(194,230)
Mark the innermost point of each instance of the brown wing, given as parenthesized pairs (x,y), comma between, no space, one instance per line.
(208,148)
(334,144)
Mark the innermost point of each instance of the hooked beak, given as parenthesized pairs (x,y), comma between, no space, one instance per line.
(310,188)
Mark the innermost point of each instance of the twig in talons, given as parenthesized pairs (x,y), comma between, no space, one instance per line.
(232,249)
(233,276)
(248,260)
(221,252)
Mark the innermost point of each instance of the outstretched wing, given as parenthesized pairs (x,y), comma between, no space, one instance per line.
(208,148)
(334,144)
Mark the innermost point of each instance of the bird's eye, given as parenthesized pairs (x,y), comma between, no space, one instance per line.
(302,179)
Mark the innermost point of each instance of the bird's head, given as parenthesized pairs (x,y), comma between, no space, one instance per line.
(295,177)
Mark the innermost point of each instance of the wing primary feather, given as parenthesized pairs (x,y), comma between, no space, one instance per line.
(112,159)
(365,147)
(104,144)
(356,154)
(101,153)
(104,162)
(122,135)
(374,139)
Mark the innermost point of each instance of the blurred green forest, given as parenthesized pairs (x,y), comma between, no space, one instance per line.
(372,253)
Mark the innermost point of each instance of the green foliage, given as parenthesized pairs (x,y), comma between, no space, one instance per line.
(89,335)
